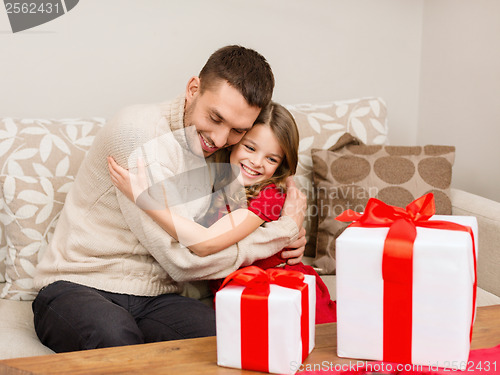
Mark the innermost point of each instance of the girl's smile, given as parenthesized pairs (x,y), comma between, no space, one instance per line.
(258,155)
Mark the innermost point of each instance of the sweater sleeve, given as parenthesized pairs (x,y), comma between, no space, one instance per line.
(182,265)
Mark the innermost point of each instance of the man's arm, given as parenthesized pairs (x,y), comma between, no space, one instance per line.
(293,210)
(182,265)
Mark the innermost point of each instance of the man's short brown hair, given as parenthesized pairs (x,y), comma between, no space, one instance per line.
(244,69)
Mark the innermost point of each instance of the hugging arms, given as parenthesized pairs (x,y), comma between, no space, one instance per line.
(261,166)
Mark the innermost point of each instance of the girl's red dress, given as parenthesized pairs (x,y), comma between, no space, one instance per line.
(267,205)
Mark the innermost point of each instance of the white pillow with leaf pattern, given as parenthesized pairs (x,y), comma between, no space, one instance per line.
(31,207)
(38,148)
(320,127)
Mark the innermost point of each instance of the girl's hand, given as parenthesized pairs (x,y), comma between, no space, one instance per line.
(128,183)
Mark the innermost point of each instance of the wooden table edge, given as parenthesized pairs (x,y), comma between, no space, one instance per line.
(180,354)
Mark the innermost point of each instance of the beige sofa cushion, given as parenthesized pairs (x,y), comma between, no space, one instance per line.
(320,127)
(18,337)
(346,178)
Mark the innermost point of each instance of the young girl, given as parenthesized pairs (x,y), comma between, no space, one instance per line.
(264,158)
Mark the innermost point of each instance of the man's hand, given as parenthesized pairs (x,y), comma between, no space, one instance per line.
(295,203)
(295,251)
(295,207)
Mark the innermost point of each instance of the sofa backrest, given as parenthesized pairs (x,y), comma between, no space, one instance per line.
(39,160)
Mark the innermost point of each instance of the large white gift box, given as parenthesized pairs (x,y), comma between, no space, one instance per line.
(289,337)
(442,305)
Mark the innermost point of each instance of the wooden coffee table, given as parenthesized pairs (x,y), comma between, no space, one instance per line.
(199,356)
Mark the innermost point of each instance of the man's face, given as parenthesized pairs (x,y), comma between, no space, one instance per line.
(221,115)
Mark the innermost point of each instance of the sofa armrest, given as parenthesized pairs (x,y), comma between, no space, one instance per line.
(487,213)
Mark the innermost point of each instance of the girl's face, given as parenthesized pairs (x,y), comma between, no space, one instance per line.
(257,155)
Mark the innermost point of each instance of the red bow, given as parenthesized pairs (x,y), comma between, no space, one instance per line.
(378,213)
(397,264)
(256,279)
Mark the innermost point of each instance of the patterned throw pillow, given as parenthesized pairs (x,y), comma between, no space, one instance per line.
(43,148)
(347,177)
(320,126)
(31,207)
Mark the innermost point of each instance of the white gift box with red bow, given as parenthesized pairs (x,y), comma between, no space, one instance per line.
(276,340)
(442,296)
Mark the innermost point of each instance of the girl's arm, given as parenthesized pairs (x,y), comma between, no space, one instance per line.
(201,240)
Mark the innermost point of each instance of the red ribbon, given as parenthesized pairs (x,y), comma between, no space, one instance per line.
(255,313)
(397,264)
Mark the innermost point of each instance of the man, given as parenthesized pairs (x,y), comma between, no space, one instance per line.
(111,276)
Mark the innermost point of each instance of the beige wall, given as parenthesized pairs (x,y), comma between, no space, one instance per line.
(103,55)
(460,89)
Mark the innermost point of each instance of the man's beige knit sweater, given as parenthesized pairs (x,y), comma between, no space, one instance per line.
(103,240)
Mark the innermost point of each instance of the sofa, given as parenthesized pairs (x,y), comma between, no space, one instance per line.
(39,159)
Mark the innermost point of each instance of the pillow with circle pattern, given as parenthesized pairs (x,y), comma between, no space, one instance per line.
(349,173)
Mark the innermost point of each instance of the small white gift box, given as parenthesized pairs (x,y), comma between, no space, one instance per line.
(273,335)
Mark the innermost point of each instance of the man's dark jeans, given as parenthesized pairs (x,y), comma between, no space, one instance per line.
(71,317)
